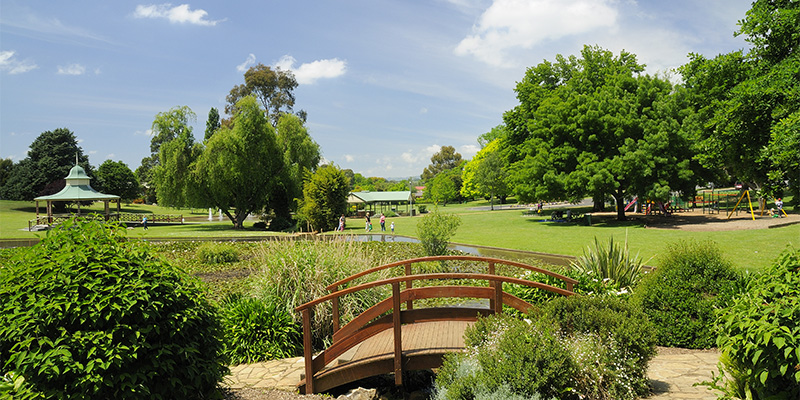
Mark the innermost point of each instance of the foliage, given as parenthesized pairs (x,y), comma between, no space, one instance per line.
(50,158)
(6,165)
(256,330)
(212,123)
(613,262)
(434,231)
(444,160)
(324,198)
(274,89)
(212,253)
(87,314)
(442,189)
(576,347)
(692,281)
(595,126)
(240,166)
(114,177)
(490,178)
(759,334)
(587,285)
(177,151)
(747,100)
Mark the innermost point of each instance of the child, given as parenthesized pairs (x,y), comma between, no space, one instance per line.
(392,227)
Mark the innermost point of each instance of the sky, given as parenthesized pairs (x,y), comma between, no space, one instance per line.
(385,83)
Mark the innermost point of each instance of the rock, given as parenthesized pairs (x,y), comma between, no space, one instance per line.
(360,394)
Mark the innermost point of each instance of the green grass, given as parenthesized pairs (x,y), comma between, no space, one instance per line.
(747,249)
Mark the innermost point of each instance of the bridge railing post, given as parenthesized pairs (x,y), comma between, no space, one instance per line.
(308,351)
(492,284)
(335,310)
(398,343)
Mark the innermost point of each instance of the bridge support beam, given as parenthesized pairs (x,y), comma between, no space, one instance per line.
(308,351)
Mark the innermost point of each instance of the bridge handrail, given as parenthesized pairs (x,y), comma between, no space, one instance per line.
(334,286)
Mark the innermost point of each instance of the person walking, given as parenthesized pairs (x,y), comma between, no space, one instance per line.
(392,226)
(368,227)
(383,223)
(144,223)
(341,223)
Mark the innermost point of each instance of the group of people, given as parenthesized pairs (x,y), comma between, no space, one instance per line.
(368,221)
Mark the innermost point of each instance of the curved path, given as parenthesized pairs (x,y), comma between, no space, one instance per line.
(673,372)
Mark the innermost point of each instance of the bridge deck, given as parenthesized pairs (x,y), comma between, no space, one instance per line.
(424,345)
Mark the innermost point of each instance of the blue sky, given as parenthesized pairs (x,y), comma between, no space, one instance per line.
(384,83)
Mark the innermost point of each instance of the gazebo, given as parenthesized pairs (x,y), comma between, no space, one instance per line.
(77,190)
(381,199)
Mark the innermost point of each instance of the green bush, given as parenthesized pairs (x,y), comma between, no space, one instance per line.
(588,285)
(691,281)
(88,314)
(435,230)
(257,330)
(217,253)
(759,335)
(574,348)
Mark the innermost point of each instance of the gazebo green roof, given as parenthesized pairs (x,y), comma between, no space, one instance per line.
(77,189)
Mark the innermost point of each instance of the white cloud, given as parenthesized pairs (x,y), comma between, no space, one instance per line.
(423,110)
(511,24)
(110,156)
(251,60)
(10,63)
(349,158)
(468,150)
(72,69)
(409,157)
(181,14)
(308,73)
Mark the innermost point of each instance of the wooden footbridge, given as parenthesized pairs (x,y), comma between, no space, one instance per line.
(393,336)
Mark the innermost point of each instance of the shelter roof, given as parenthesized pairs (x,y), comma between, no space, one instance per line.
(77,189)
(377,197)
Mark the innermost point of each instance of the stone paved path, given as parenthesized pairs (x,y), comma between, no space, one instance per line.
(672,374)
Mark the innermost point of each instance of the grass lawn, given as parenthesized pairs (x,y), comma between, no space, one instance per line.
(747,249)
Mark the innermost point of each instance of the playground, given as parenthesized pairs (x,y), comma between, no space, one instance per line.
(698,221)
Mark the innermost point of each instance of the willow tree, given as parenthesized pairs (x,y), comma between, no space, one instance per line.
(241,165)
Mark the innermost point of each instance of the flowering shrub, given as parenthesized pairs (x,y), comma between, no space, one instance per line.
(574,348)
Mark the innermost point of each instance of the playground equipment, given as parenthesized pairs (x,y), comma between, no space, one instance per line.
(749,203)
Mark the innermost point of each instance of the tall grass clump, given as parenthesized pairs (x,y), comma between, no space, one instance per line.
(612,262)
(691,281)
(217,253)
(297,272)
(435,230)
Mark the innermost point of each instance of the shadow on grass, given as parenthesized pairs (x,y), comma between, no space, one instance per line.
(598,221)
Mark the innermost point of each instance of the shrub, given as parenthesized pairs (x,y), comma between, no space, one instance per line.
(217,253)
(577,347)
(587,285)
(257,330)
(422,208)
(435,230)
(759,335)
(691,281)
(87,314)
(613,262)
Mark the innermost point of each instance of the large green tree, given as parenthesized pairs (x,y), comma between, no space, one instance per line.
(240,165)
(443,160)
(490,179)
(167,126)
(177,151)
(114,177)
(50,157)
(212,123)
(596,126)
(324,198)
(273,87)
(750,102)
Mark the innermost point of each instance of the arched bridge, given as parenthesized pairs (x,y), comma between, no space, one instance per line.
(393,336)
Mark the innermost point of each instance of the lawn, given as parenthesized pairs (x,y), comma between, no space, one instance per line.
(747,249)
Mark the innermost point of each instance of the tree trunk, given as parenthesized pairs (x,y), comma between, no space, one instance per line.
(491,201)
(620,200)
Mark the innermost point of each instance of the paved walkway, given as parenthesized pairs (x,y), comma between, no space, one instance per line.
(672,374)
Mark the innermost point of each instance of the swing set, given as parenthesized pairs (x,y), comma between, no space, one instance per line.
(750,203)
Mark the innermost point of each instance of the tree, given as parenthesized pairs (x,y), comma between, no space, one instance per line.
(50,158)
(177,151)
(324,198)
(749,103)
(490,177)
(114,177)
(435,230)
(274,88)
(442,189)
(212,123)
(167,126)
(595,126)
(6,165)
(471,188)
(497,132)
(445,159)
(241,165)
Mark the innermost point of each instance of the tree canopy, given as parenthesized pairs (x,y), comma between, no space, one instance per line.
(324,198)
(595,126)
(240,165)
(445,159)
(177,151)
(274,89)
(50,158)
(749,104)
(114,177)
